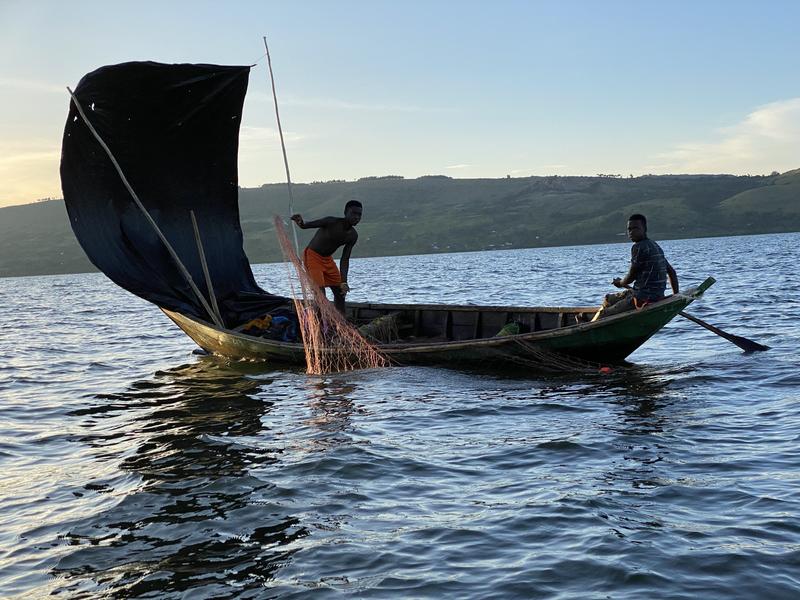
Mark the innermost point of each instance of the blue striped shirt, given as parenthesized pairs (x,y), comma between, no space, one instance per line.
(651,270)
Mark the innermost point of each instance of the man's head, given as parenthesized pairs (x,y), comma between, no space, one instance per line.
(352,212)
(637,227)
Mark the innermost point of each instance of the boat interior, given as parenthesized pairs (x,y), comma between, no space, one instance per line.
(386,323)
(399,323)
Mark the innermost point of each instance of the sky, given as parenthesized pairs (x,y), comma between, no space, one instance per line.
(432,87)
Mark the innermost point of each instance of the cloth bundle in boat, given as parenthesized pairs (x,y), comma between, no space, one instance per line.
(174,129)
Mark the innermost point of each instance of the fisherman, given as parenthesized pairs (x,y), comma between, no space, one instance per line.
(333,233)
(648,272)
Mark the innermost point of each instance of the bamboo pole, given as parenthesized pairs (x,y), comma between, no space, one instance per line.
(186,275)
(283,146)
(203,262)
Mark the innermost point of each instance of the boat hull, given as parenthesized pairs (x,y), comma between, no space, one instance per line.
(606,341)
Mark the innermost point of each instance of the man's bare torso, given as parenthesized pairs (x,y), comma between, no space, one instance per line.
(332,236)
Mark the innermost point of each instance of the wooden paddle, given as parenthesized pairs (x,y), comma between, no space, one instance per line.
(743,343)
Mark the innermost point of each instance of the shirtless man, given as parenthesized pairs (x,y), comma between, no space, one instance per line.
(333,233)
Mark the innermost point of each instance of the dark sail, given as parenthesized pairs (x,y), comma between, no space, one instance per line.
(174,129)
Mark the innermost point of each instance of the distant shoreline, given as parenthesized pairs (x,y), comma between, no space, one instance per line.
(436,215)
(356,258)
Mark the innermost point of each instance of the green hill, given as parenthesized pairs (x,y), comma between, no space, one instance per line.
(780,200)
(440,214)
(36,239)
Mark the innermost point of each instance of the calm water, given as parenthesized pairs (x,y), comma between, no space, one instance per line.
(131,467)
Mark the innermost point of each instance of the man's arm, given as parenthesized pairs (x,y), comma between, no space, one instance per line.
(344,263)
(630,277)
(344,266)
(673,278)
(324,221)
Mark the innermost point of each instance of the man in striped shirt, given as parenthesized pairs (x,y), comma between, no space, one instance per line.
(648,272)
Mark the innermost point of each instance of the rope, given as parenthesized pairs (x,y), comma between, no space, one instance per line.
(549,360)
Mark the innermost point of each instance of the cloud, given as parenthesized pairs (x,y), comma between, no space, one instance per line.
(29,85)
(767,139)
(336,104)
(28,170)
(30,157)
(256,135)
(15,152)
(461,166)
(540,170)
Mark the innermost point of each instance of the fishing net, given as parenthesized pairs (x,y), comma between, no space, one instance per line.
(548,360)
(331,343)
(383,330)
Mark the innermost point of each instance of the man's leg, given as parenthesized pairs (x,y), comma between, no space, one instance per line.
(613,304)
(338,298)
(622,306)
(314,270)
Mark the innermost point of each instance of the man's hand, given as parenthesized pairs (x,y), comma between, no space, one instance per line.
(617,282)
(344,287)
(299,220)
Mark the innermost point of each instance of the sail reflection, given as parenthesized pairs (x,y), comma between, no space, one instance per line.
(191,522)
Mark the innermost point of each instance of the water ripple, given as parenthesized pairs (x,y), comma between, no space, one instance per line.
(133,468)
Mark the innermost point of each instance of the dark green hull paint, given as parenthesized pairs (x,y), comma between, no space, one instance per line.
(606,341)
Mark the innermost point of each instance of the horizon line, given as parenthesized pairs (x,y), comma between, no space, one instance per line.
(442,176)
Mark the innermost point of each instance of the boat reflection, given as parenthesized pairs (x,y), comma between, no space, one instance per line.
(648,409)
(331,407)
(196,516)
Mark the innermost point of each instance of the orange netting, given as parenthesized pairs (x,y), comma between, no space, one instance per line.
(331,343)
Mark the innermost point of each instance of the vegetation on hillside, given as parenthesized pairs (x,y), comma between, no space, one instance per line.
(440,214)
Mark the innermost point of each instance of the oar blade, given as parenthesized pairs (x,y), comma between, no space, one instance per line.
(749,345)
(743,343)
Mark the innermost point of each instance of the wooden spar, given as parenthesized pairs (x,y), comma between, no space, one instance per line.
(283,146)
(186,275)
(203,262)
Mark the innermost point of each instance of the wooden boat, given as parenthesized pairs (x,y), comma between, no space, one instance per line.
(429,334)
(155,207)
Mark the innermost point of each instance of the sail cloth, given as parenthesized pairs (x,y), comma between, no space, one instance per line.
(174,129)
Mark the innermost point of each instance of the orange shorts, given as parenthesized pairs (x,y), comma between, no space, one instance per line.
(321,269)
